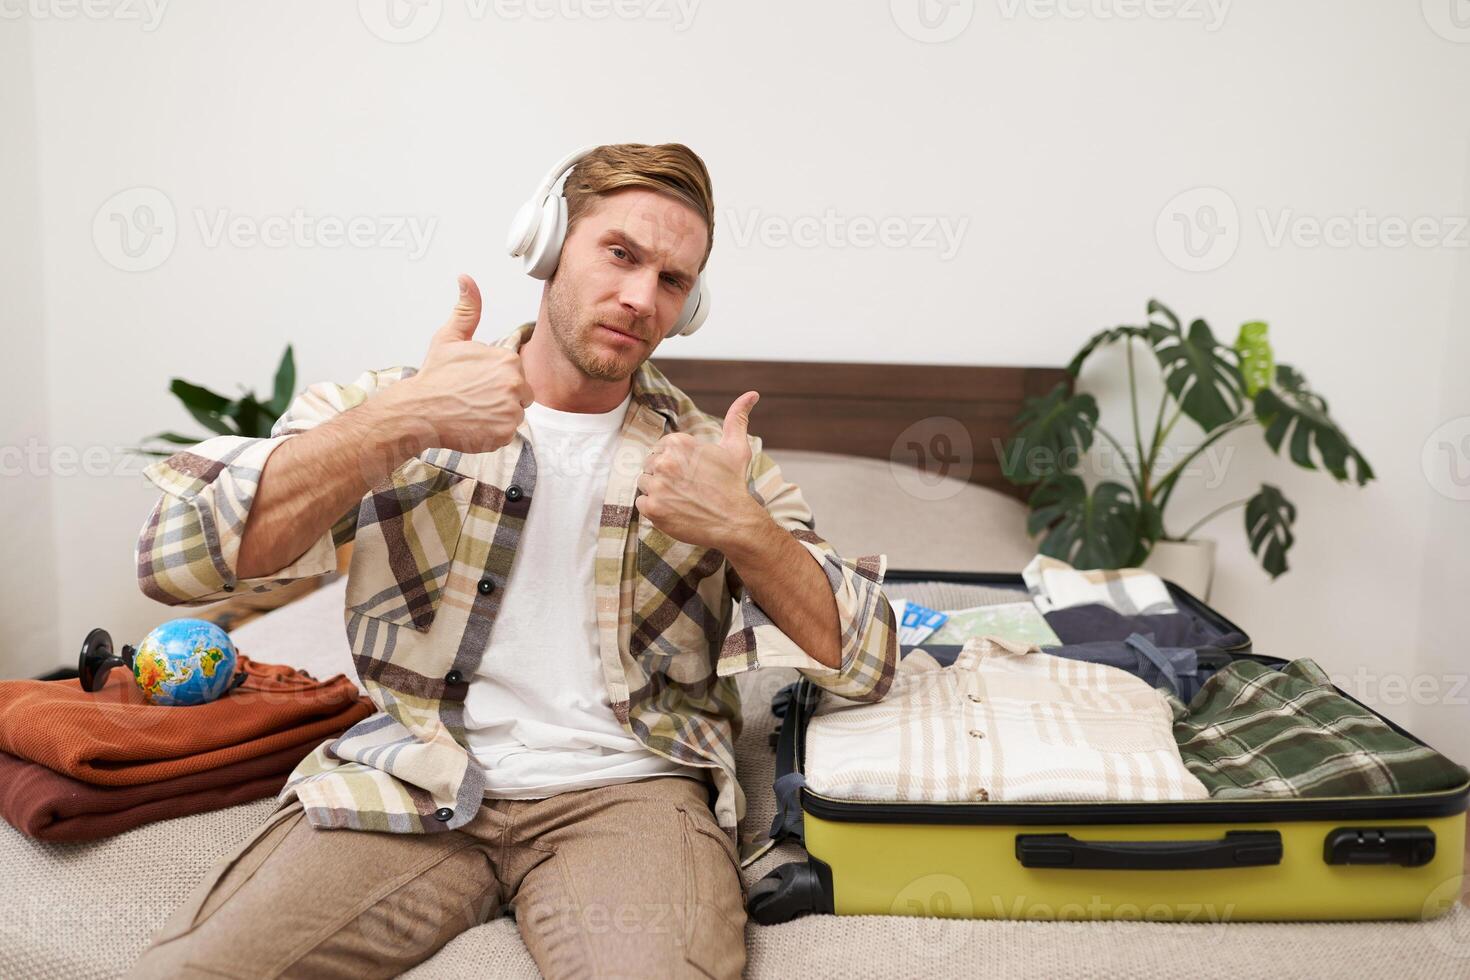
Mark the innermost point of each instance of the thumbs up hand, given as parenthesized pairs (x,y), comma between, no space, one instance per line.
(695,491)
(465,317)
(470,396)
(734,438)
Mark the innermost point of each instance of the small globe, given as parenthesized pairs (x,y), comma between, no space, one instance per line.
(184,662)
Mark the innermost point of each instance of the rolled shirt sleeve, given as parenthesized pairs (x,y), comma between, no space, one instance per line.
(189,547)
(868,631)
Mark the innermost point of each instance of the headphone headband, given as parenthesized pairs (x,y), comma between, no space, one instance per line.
(556,173)
(563,166)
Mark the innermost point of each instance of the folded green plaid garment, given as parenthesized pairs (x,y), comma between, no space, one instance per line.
(1254,731)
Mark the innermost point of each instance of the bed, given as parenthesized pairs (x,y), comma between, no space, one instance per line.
(899,459)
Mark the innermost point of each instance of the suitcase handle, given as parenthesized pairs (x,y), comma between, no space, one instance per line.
(1237,849)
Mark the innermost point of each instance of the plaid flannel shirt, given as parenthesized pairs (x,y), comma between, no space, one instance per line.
(434,543)
(1252,731)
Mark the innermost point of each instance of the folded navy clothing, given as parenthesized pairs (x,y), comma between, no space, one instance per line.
(944,653)
(1174,669)
(1179,670)
(1095,622)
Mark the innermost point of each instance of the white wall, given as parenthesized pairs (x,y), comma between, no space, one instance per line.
(1441,666)
(28,572)
(1056,141)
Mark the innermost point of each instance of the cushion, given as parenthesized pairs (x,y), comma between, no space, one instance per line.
(872,506)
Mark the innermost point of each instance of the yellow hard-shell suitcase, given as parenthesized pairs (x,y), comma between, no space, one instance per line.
(1380,857)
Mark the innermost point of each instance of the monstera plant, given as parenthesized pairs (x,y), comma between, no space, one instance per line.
(1221,389)
(221,415)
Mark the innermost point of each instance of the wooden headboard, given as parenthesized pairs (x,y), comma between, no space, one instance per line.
(943,418)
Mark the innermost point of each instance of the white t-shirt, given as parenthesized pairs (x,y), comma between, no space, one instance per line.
(537,714)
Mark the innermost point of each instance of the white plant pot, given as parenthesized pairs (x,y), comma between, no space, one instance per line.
(1188,564)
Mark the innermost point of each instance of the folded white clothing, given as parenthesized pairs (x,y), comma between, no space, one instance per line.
(1054,584)
(1004,722)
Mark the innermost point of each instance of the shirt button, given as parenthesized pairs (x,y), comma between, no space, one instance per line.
(976,733)
(982,793)
(513,493)
(453,677)
(444,813)
(486,586)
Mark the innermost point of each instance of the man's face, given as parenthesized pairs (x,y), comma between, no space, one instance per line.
(624,274)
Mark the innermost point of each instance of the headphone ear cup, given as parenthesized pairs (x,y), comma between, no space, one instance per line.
(551,231)
(522,229)
(696,310)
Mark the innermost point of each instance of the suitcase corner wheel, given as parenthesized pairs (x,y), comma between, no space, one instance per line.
(790,891)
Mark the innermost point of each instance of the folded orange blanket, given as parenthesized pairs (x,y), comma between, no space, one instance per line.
(115,738)
(49,806)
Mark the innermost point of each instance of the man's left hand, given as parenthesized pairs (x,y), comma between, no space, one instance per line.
(696,492)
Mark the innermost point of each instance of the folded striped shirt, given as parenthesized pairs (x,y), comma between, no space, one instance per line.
(1131,591)
(1004,722)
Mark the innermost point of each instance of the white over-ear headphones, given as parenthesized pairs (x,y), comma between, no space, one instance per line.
(540,228)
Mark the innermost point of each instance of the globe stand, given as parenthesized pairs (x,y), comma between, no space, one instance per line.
(97,659)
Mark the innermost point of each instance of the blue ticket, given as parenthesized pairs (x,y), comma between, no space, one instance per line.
(919,623)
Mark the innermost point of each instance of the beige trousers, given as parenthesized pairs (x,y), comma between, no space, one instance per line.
(629,880)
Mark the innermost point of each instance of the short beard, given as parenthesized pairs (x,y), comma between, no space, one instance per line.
(563,314)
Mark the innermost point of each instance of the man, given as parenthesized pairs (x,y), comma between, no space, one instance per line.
(559,566)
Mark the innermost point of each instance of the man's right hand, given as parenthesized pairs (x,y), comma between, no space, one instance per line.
(471,396)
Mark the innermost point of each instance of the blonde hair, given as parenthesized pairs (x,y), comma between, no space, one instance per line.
(668,168)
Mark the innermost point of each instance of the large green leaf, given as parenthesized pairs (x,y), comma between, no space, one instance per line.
(1257,361)
(245,416)
(207,408)
(285,385)
(1292,409)
(1199,372)
(195,396)
(253,418)
(1155,308)
(1268,520)
(1055,430)
(214,423)
(1101,338)
(1096,530)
